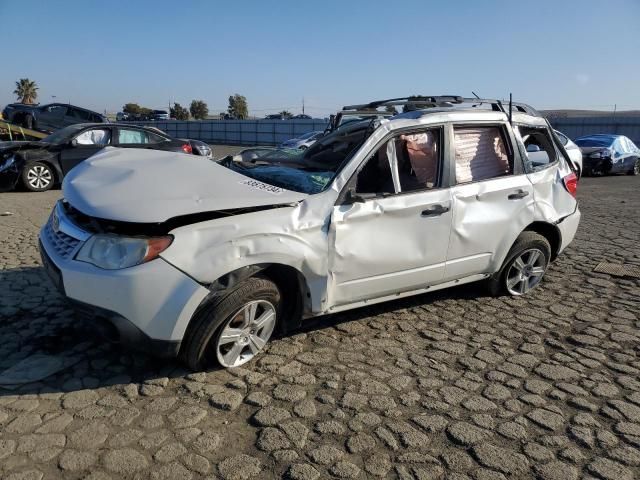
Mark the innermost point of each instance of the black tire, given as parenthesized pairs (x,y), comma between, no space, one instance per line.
(38,177)
(526,242)
(28,122)
(200,345)
(635,170)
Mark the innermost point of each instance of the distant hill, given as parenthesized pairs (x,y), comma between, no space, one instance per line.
(567,113)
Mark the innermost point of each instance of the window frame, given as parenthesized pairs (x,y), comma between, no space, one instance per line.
(443,174)
(552,140)
(508,138)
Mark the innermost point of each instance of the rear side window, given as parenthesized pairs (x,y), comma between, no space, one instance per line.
(540,152)
(129,136)
(480,154)
(79,114)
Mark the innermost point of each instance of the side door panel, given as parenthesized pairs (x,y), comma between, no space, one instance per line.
(70,156)
(388,245)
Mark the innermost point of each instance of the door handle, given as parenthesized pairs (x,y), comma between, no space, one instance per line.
(517,195)
(434,211)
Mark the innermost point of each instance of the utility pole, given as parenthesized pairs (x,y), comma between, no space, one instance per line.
(303,105)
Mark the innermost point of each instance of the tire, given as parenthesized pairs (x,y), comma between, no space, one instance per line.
(27,122)
(205,345)
(522,273)
(635,170)
(38,177)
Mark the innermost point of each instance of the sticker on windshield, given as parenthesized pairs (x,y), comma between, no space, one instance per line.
(262,186)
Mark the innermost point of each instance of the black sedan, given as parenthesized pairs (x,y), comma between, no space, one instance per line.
(607,154)
(40,165)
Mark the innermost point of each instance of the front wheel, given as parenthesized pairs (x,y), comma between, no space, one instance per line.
(232,330)
(524,267)
(37,177)
(27,122)
(636,169)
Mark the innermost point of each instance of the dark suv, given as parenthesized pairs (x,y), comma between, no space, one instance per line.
(51,117)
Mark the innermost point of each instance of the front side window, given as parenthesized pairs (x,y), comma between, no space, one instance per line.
(540,152)
(79,114)
(95,136)
(405,163)
(480,154)
(128,136)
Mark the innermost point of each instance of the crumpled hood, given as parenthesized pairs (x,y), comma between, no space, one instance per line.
(150,186)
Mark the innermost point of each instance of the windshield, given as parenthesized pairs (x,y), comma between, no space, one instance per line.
(63,134)
(595,141)
(309,171)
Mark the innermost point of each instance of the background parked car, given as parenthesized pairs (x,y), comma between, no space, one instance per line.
(274,116)
(51,117)
(303,141)
(122,116)
(301,116)
(575,154)
(160,115)
(42,164)
(604,154)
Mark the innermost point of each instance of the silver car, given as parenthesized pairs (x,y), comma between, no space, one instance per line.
(207,260)
(303,141)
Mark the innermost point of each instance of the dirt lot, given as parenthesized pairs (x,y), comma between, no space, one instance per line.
(452,385)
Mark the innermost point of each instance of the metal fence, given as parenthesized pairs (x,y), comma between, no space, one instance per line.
(273,132)
(238,132)
(575,127)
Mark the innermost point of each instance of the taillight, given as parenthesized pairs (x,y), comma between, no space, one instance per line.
(186,148)
(571,183)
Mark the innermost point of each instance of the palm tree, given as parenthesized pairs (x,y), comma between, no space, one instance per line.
(26,90)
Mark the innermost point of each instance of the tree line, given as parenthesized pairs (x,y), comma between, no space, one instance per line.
(27,92)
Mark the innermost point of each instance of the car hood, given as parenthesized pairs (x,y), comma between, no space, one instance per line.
(149,186)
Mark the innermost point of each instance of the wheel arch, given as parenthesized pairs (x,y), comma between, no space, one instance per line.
(549,231)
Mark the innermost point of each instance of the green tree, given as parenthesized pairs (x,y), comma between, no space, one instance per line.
(199,110)
(179,112)
(238,106)
(26,90)
(286,114)
(132,108)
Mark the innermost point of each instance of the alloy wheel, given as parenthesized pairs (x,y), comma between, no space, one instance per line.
(526,271)
(246,333)
(39,177)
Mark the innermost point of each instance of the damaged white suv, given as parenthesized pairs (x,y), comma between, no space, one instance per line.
(206,260)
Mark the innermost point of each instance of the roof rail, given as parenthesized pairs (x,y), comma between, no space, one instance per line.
(431,101)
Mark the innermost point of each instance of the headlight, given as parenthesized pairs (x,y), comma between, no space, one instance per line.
(7,163)
(113,252)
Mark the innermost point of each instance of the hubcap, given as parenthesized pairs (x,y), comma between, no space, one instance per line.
(526,271)
(39,177)
(246,334)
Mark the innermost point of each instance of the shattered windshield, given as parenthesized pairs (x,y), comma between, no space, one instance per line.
(309,171)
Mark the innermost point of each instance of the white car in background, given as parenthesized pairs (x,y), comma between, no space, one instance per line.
(303,142)
(575,154)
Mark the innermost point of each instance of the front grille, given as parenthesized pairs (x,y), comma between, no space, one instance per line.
(63,244)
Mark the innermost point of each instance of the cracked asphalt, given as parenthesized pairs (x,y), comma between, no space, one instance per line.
(449,385)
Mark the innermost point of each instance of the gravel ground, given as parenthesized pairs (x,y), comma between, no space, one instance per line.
(452,384)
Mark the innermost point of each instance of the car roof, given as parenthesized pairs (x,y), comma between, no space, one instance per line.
(125,125)
(609,136)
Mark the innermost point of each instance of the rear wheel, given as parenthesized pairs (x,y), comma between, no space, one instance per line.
(232,330)
(37,177)
(636,169)
(524,267)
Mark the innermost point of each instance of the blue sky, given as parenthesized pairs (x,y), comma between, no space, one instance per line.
(552,54)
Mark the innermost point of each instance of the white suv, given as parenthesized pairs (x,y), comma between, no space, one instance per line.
(207,260)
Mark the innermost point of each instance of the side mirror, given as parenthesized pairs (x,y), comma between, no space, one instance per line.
(533,148)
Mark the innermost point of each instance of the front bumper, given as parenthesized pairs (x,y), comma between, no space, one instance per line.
(568,227)
(147,306)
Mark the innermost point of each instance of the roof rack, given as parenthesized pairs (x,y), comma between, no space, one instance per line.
(431,101)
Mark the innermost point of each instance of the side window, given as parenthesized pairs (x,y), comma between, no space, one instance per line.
(562,137)
(78,114)
(57,110)
(153,138)
(480,154)
(405,163)
(129,136)
(539,148)
(95,136)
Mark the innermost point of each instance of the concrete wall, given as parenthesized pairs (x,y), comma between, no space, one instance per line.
(579,126)
(238,132)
